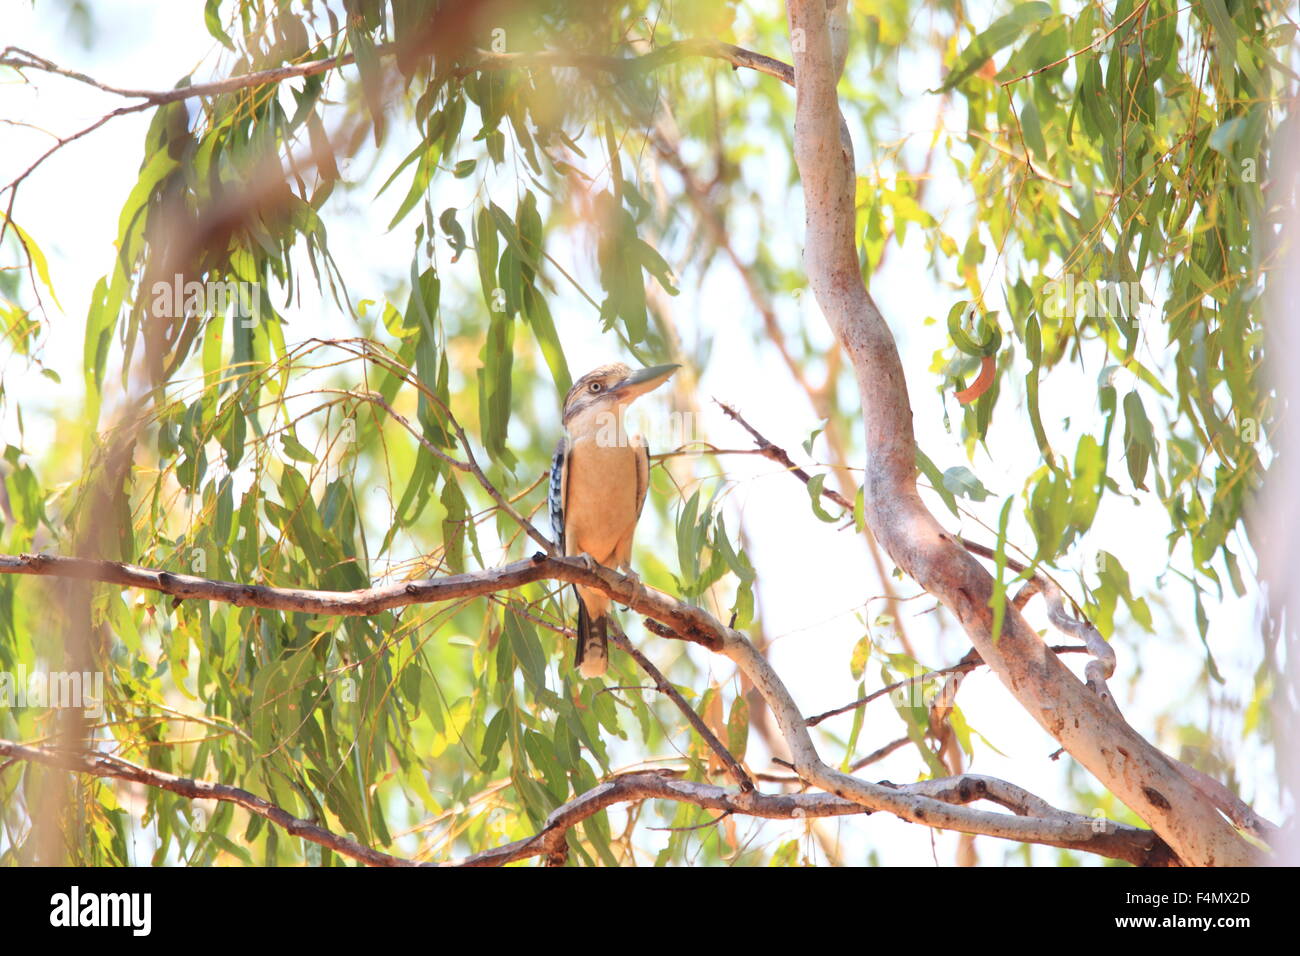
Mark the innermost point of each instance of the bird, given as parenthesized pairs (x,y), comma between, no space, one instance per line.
(599,477)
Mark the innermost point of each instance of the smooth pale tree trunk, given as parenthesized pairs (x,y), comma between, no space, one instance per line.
(1277,521)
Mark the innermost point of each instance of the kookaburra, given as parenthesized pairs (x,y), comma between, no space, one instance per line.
(598,486)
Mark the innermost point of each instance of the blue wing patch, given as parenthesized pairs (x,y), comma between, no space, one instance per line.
(555,497)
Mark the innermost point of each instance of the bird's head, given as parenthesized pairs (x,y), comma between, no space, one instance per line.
(611,387)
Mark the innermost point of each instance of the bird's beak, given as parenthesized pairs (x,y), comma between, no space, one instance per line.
(643,380)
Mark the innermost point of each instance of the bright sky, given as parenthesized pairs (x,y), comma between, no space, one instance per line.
(814,577)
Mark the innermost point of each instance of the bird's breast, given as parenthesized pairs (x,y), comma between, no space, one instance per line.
(601,505)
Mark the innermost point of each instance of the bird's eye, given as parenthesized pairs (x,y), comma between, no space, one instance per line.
(595,386)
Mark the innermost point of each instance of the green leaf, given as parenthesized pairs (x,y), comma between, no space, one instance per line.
(538,315)
(528,649)
(541,754)
(160,165)
(1139,439)
(787,854)
(960,480)
(814,487)
(1202,628)
(453,526)
(424,170)
(1031,126)
(371,71)
(101,319)
(486,251)
(861,654)
(812,437)
(656,265)
(989,341)
(738,727)
(1033,352)
(1225,47)
(453,231)
(928,469)
(426,148)
(527,253)
(1001,33)
(1088,482)
(998,600)
(295,449)
(459,716)
(494,386)
(493,740)
(36,256)
(1114,586)
(1226,134)
(859,717)
(212,20)
(531,250)
(736,561)
(688,551)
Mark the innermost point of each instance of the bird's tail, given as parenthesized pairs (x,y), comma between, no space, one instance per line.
(593,643)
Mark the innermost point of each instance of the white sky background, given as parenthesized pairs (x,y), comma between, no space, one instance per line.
(813,577)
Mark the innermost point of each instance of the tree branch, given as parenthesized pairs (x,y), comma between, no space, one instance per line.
(104,765)
(683,621)
(686,621)
(1128,843)
(20,59)
(551,842)
(1070,830)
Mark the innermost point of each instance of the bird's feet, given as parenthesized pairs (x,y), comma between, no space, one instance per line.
(637,586)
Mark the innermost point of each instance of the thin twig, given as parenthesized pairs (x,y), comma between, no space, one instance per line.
(672,693)
(778,454)
(961,668)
